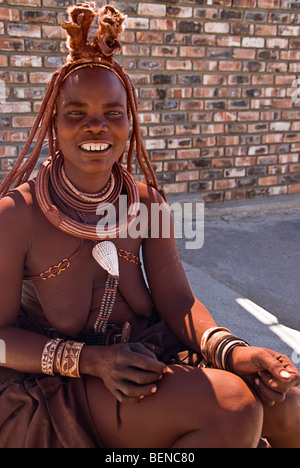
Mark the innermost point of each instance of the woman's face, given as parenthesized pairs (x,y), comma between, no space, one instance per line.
(92,123)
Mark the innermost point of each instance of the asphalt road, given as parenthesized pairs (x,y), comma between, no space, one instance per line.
(247,272)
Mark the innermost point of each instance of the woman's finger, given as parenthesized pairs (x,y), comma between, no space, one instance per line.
(273,383)
(267,394)
(139,377)
(128,391)
(279,367)
(144,359)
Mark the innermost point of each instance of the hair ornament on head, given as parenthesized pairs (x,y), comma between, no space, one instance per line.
(83,53)
(105,42)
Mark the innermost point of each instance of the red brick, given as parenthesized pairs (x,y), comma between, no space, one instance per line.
(248,116)
(245,161)
(3,61)
(149,37)
(176,188)
(163,24)
(294,189)
(10,44)
(179,65)
(181,12)
(212,129)
(151,9)
(271,180)
(24,30)
(268,4)
(230,66)
(235,195)
(234,172)
(218,28)
(6,152)
(23,122)
(264,30)
(214,80)
(188,154)
(244,3)
(25,2)
(137,23)
(26,61)
(15,107)
(187,176)
(224,184)
(9,14)
(192,51)
(175,166)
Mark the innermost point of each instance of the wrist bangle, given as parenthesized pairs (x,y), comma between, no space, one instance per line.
(227,352)
(70,359)
(216,345)
(58,357)
(213,344)
(48,355)
(207,335)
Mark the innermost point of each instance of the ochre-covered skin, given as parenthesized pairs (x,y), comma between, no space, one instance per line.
(159,404)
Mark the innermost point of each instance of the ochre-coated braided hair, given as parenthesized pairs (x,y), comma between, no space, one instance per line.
(105,43)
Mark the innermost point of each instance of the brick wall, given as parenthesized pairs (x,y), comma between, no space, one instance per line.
(215,79)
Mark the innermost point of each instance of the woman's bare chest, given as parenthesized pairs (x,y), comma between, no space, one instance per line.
(70,284)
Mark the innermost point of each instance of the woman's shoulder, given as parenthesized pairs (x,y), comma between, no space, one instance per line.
(149,194)
(16,208)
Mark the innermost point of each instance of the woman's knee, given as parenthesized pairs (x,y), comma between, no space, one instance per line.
(221,406)
(241,412)
(290,411)
(284,417)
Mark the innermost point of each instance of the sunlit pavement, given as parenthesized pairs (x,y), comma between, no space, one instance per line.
(248,271)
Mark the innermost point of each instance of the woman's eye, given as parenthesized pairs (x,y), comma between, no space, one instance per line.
(115,113)
(75,113)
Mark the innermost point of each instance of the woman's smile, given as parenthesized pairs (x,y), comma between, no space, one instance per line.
(95,147)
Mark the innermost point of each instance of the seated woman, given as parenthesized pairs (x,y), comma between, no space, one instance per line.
(94,356)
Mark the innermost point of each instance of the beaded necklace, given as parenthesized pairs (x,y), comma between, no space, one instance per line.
(98,197)
(55,199)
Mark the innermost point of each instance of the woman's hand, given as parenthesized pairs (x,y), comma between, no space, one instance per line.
(129,371)
(270,373)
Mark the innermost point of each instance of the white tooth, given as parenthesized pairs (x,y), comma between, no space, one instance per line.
(94,147)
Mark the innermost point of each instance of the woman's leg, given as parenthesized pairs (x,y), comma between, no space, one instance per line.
(282,422)
(192,408)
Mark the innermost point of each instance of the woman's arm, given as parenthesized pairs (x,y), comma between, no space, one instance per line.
(189,319)
(23,349)
(174,300)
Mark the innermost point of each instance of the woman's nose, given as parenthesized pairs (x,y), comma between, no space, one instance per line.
(96,125)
